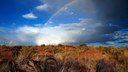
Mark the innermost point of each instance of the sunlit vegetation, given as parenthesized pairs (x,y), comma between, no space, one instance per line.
(63,58)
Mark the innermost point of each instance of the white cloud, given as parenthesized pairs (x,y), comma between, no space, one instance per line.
(120,34)
(29,16)
(27,33)
(64,33)
(42,7)
(126,39)
(28,30)
(110,42)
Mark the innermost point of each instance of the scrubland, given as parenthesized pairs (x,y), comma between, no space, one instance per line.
(63,58)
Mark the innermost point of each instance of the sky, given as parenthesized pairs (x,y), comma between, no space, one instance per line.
(36,22)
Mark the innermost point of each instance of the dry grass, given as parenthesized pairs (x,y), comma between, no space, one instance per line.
(63,58)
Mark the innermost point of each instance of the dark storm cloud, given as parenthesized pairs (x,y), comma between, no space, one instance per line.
(112,9)
(113,14)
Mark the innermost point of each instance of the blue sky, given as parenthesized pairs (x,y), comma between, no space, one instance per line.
(37,22)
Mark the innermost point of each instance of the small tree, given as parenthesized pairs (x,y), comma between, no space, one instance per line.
(83,45)
(60,45)
(43,45)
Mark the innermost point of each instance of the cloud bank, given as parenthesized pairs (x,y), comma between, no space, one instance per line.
(72,33)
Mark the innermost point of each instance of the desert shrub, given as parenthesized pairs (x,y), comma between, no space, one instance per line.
(93,47)
(101,66)
(108,49)
(105,50)
(71,64)
(101,48)
(15,51)
(90,65)
(117,54)
(83,47)
(43,45)
(60,45)
(49,64)
(26,53)
(9,66)
(123,67)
